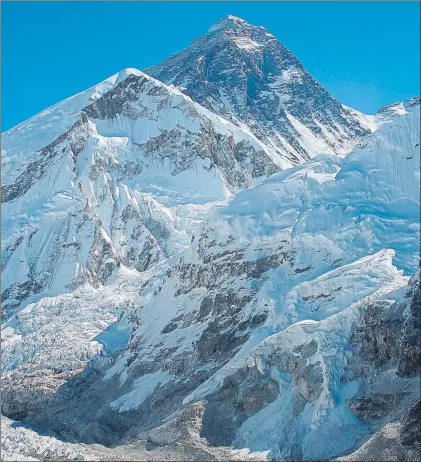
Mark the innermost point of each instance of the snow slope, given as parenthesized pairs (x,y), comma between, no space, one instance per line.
(306,245)
(392,111)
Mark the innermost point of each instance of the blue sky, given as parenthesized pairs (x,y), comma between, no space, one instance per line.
(366,54)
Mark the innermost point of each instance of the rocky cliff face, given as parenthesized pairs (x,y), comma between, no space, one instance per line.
(243,73)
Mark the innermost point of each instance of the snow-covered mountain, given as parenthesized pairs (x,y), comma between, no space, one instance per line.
(194,269)
(287,320)
(243,73)
(118,174)
(122,172)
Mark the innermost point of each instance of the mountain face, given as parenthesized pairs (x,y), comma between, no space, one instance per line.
(137,165)
(172,289)
(288,320)
(243,73)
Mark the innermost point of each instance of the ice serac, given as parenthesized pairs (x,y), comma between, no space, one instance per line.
(243,73)
(116,175)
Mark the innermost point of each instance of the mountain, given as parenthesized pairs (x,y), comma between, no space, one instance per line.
(243,73)
(118,174)
(392,111)
(195,270)
(288,326)
(121,173)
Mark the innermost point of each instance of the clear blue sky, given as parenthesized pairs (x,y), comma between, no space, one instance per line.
(366,54)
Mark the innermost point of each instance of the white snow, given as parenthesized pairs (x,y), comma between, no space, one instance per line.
(246,44)
(142,388)
(48,227)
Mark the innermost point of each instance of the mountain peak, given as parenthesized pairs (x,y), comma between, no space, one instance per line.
(245,75)
(228,22)
(245,36)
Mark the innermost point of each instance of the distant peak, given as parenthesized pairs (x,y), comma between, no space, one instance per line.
(228,22)
(400,105)
(124,73)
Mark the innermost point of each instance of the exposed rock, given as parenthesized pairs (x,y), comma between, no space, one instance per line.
(245,75)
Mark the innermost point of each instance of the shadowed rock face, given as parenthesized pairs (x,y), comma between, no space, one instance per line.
(117,101)
(399,440)
(410,432)
(387,360)
(242,395)
(243,73)
(409,361)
